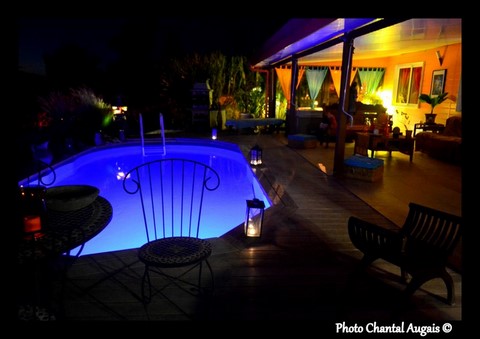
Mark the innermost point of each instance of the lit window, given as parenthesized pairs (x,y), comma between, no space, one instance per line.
(408,81)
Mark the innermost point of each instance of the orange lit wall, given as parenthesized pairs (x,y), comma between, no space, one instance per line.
(452,62)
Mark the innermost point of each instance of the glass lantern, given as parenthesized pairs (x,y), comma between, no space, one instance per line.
(33,208)
(254,218)
(256,155)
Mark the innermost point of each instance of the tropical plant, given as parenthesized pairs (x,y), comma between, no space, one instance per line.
(433,100)
(251,101)
(77,113)
(235,87)
(224,75)
(216,64)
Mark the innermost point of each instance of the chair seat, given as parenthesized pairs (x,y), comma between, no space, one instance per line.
(175,251)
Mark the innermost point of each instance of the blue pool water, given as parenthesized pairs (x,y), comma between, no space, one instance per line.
(104,167)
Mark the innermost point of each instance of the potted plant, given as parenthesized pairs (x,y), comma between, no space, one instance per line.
(432,100)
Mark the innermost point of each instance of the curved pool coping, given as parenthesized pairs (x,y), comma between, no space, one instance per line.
(137,142)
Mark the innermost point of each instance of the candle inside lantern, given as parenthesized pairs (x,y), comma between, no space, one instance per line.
(32,223)
(251,229)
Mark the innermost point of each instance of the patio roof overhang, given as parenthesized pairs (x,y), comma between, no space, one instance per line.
(313,41)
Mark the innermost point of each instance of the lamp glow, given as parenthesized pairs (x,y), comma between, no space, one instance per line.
(32,223)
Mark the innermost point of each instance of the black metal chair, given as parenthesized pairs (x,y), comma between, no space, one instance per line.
(172,195)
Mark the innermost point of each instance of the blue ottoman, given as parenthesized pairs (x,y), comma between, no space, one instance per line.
(363,168)
(302,141)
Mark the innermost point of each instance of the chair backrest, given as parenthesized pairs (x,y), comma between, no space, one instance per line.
(42,174)
(439,230)
(172,195)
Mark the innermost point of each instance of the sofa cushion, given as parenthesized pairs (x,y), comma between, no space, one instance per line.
(453,127)
(446,146)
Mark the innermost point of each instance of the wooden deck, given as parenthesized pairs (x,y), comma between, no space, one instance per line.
(301,269)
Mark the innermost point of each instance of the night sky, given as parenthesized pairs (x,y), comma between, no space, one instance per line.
(100,36)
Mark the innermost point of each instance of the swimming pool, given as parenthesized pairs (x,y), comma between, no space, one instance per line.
(104,167)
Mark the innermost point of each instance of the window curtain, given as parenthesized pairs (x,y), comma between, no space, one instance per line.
(370,79)
(336,73)
(315,79)
(285,77)
(402,86)
(415,87)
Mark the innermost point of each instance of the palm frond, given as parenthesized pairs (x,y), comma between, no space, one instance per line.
(433,100)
